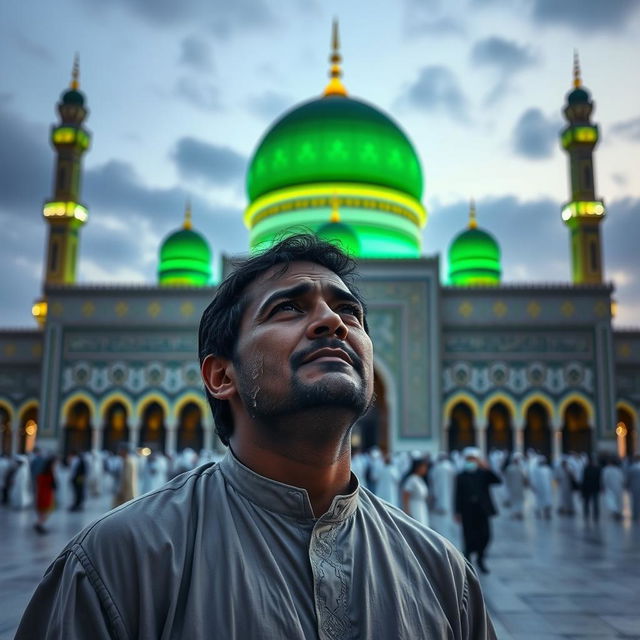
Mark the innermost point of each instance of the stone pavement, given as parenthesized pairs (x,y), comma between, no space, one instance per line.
(549,580)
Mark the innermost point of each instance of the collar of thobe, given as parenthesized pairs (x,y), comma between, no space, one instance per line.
(285,499)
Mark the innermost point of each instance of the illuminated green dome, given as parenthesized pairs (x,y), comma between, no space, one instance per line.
(73,97)
(185,258)
(340,234)
(474,257)
(334,138)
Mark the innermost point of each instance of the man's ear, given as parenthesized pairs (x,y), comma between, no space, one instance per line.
(217,374)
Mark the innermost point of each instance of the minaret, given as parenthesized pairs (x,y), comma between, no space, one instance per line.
(335,86)
(584,212)
(64,212)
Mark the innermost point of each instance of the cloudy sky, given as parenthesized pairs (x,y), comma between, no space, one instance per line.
(181,92)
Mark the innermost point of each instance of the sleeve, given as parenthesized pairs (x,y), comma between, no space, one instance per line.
(67,604)
(476,623)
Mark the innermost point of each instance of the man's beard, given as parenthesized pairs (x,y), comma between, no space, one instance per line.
(328,393)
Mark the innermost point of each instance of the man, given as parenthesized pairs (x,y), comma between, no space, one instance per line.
(127,487)
(474,505)
(78,480)
(590,488)
(278,540)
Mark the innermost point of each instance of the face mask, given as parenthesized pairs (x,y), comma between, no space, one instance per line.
(469,465)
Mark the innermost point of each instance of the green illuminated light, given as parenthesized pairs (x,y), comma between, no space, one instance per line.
(70,135)
(185,259)
(583,134)
(474,258)
(580,208)
(65,210)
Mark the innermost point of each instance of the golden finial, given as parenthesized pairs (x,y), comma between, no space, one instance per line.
(187,216)
(75,74)
(473,223)
(577,81)
(335,86)
(335,209)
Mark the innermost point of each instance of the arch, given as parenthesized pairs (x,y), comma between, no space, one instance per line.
(6,432)
(116,396)
(460,396)
(498,396)
(116,416)
(153,396)
(78,423)
(153,426)
(28,426)
(197,398)
(577,427)
(190,430)
(72,399)
(627,419)
(461,430)
(580,399)
(537,427)
(500,426)
(540,398)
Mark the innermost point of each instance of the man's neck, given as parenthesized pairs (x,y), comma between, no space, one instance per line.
(322,468)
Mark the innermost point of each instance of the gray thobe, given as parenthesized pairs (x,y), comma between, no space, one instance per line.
(222,552)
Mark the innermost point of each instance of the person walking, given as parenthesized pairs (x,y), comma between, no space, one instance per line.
(415,492)
(567,484)
(442,480)
(613,485)
(78,480)
(45,493)
(21,492)
(389,482)
(590,489)
(542,485)
(515,480)
(127,488)
(474,505)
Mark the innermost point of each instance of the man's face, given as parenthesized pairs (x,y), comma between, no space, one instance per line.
(302,345)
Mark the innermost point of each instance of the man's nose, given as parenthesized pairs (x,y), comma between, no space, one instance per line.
(326,322)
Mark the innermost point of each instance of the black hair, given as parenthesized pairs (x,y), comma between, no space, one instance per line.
(220,322)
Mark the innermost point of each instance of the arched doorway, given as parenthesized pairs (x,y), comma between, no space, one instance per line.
(500,428)
(462,431)
(626,432)
(77,432)
(190,430)
(537,429)
(372,429)
(28,430)
(152,428)
(576,432)
(116,426)
(5,432)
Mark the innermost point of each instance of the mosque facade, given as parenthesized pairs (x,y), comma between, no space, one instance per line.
(471,360)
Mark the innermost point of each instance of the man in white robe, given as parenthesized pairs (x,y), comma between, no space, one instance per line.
(443,477)
(613,485)
(542,485)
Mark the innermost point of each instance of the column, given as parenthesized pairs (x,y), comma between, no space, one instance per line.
(134,433)
(481,440)
(556,445)
(96,439)
(518,445)
(171,441)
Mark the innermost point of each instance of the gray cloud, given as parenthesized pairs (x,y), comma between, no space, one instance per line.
(32,48)
(629,129)
(195,52)
(589,15)
(270,104)
(220,16)
(202,95)
(437,89)
(214,164)
(431,17)
(506,56)
(535,136)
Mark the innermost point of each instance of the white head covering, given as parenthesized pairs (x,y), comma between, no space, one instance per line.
(472,452)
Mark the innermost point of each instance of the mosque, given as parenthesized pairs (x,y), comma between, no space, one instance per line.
(471,360)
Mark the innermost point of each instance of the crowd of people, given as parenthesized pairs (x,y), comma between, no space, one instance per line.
(45,482)
(420,484)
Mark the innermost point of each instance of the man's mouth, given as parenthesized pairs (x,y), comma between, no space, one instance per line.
(328,355)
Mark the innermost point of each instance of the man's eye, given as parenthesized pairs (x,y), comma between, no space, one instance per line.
(288,305)
(351,309)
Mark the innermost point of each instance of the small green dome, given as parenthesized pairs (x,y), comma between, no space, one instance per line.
(73,97)
(185,259)
(342,235)
(474,258)
(334,139)
(578,96)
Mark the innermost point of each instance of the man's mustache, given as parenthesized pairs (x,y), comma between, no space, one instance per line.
(297,359)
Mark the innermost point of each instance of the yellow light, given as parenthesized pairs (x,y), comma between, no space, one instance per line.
(30,428)
(621,430)
(145,451)
(298,198)
(583,208)
(65,210)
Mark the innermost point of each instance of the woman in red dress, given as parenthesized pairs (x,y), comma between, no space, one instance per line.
(45,493)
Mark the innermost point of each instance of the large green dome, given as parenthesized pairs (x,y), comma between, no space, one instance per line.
(334,139)
(474,258)
(185,259)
